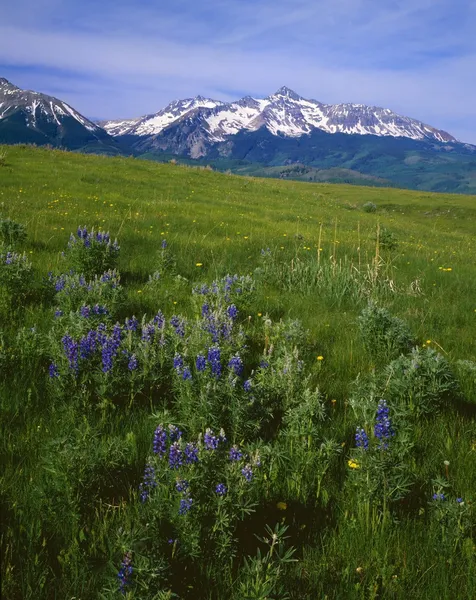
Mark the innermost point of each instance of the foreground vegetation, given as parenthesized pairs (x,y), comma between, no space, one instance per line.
(262,389)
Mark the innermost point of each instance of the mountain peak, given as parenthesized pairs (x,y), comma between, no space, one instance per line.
(5,83)
(287,92)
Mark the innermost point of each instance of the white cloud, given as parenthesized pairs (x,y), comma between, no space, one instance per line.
(134,60)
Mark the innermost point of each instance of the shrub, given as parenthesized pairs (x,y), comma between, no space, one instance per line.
(384,336)
(15,271)
(12,232)
(420,382)
(91,253)
(387,239)
(369,207)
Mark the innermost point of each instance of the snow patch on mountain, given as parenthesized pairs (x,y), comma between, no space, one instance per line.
(283,113)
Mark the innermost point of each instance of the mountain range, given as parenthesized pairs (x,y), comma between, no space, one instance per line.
(283,135)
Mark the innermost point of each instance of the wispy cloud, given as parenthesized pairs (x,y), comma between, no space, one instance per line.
(116,59)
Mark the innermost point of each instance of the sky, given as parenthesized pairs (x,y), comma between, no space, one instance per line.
(126,58)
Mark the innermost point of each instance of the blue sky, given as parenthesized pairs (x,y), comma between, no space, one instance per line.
(126,58)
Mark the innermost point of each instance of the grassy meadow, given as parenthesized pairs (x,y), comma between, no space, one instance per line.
(272,396)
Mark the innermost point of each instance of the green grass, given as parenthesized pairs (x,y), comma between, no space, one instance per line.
(70,471)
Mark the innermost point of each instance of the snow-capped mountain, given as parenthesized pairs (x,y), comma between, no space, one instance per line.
(284,113)
(153,124)
(28,116)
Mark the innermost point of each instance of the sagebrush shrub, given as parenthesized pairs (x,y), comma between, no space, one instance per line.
(384,336)
(420,382)
(369,207)
(11,232)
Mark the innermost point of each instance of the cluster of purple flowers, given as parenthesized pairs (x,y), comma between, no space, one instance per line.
(133,363)
(90,238)
(148,483)
(439,497)
(110,348)
(200,363)
(125,572)
(191,453)
(236,364)
(53,371)
(11,258)
(235,454)
(383,430)
(85,311)
(183,487)
(159,444)
(214,358)
(361,438)
(221,489)
(185,505)
(211,440)
(175,456)
(132,324)
(218,327)
(179,325)
(247,472)
(226,287)
(70,282)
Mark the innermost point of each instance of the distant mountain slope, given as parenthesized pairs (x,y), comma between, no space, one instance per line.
(204,121)
(32,117)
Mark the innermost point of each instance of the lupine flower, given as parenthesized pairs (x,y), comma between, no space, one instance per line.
(133,363)
(71,350)
(178,363)
(99,310)
(182,485)
(220,489)
(84,311)
(148,482)
(200,363)
(110,348)
(247,472)
(235,454)
(191,453)
(125,572)
(178,325)
(459,500)
(247,385)
(185,505)
(210,440)
(160,440)
(132,324)
(53,370)
(236,364)
(232,311)
(214,357)
(439,497)
(187,374)
(58,313)
(175,456)
(383,426)
(159,320)
(264,364)
(164,244)
(205,310)
(148,332)
(361,439)
(174,433)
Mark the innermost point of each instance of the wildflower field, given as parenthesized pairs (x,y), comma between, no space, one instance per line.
(219,387)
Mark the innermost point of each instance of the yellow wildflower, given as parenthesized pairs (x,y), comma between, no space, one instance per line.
(320,358)
(281,506)
(199,264)
(353,464)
